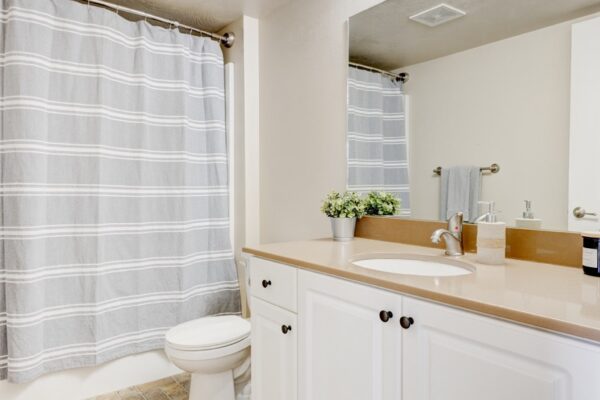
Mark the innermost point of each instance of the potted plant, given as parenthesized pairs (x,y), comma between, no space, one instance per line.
(381,203)
(343,210)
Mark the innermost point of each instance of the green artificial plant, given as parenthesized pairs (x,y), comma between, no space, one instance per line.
(347,205)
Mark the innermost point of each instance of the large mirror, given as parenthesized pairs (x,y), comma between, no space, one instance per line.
(476,101)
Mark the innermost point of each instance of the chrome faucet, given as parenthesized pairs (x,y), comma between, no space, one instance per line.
(452,236)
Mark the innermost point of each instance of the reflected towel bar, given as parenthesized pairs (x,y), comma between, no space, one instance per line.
(494,168)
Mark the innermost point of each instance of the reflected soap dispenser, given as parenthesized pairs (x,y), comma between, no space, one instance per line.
(528,221)
(491,237)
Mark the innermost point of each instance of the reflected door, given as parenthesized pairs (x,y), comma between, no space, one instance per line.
(584,149)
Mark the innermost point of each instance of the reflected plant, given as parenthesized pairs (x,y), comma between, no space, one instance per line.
(381,203)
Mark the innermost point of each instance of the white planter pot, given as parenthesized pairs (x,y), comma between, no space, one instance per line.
(343,228)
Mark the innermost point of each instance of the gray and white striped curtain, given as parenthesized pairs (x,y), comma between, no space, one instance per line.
(376,138)
(113,186)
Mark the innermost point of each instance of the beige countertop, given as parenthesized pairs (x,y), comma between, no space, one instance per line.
(560,299)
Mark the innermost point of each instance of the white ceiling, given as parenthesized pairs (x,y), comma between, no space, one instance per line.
(209,15)
(384,37)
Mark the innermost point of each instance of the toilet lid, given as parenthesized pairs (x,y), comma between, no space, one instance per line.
(208,332)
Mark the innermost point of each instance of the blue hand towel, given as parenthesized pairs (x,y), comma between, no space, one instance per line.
(459,192)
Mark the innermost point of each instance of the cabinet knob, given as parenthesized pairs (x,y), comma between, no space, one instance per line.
(385,316)
(266,283)
(286,328)
(406,322)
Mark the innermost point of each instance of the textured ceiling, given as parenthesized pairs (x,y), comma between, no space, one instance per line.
(384,37)
(209,15)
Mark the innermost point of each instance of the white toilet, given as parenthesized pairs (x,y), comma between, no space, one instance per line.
(216,351)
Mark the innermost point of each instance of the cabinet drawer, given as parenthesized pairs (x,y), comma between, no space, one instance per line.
(273,282)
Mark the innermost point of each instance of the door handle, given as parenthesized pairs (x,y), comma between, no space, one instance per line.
(579,212)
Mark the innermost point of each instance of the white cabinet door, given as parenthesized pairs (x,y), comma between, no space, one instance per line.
(345,350)
(455,355)
(274,352)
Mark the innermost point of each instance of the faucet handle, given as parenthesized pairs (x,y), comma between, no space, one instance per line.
(455,223)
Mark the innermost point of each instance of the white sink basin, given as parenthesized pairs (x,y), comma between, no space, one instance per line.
(414,265)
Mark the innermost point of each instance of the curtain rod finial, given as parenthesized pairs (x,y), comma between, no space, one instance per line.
(228,39)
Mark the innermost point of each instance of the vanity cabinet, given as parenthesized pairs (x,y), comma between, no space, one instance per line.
(274,352)
(352,341)
(274,330)
(452,354)
(349,340)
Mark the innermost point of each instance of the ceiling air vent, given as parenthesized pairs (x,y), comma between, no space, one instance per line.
(438,15)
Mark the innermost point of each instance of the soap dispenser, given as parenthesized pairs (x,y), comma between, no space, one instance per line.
(491,237)
(528,221)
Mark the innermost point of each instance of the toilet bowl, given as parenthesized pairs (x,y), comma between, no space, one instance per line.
(216,351)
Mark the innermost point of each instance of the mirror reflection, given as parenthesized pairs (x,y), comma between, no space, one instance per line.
(473,105)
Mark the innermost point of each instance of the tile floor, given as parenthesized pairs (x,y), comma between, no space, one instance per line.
(172,388)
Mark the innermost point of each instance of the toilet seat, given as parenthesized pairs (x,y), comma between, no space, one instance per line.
(211,354)
(208,333)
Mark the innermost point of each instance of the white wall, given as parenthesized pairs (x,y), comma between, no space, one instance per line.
(234,59)
(251,132)
(506,103)
(244,57)
(303,62)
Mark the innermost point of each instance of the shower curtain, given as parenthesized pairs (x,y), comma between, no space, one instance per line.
(113,183)
(376,139)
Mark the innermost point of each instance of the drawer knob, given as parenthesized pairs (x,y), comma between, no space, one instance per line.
(266,283)
(285,329)
(406,322)
(385,316)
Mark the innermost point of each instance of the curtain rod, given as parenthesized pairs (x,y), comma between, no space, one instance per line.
(402,76)
(226,40)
